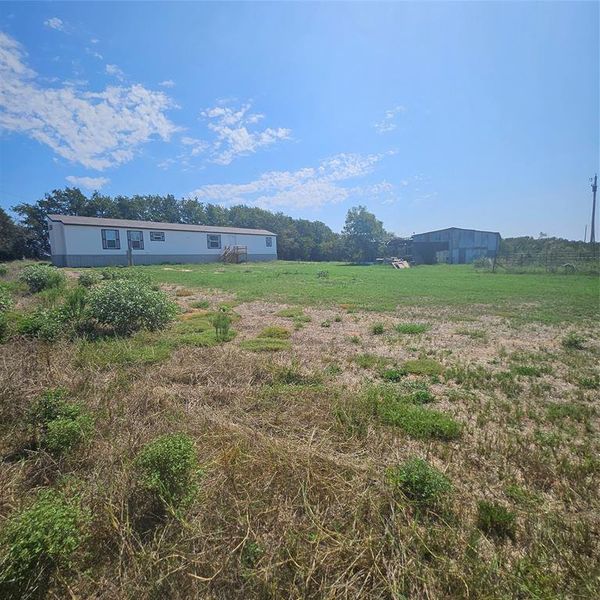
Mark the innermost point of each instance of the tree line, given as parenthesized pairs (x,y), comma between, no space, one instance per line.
(362,239)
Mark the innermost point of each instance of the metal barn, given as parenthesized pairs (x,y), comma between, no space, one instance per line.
(454,245)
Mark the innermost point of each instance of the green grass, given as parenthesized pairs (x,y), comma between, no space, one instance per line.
(412,328)
(423,366)
(265,344)
(551,298)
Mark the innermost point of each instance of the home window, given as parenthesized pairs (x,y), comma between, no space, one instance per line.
(110,239)
(135,240)
(157,236)
(269,241)
(214,242)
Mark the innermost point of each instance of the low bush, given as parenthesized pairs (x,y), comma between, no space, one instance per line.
(59,425)
(89,278)
(377,328)
(419,481)
(41,277)
(119,273)
(496,520)
(6,302)
(44,324)
(275,332)
(573,341)
(411,328)
(392,374)
(127,305)
(168,469)
(3,270)
(38,540)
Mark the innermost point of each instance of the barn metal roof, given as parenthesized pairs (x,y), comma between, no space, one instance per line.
(133,224)
(458,229)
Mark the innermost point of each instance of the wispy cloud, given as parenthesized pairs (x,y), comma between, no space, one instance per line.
(89,183)
(237,134)
(389,121)
(115,71)
(55,23)
(310,187)
(197,146)
(167,83)
(96,129)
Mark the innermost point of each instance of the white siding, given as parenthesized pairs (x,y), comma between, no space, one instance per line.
(76,242)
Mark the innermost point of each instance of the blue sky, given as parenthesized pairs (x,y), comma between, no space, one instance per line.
(480,115)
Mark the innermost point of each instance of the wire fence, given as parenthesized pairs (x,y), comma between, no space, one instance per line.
(582,261)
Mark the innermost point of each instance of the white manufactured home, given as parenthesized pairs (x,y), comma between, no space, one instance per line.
(95,242)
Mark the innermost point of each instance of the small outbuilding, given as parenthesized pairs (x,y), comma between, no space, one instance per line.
(95,242)
(454,246)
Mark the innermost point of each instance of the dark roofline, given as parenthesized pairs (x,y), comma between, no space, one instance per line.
(459,229)
(75,220)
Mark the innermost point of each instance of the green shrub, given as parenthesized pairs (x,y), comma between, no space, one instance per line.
(422,396)
(496,520)
(168,469)
(411,328)
(222,324)
(6,302)
(59,425)
(420,481)
(377,328)
(44,324)
(38,540)
(275,332)
(89,278)
(419,422)
(392,374)
(41,277)
(120,273)
(573,341)
(3,270)
(129,305)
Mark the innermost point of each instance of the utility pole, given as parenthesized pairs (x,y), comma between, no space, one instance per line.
(592,230)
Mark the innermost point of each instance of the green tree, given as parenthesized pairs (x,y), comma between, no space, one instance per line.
(363,234)
(13,241)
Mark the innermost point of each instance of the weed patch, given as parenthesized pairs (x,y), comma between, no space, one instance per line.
(412,328)
(419,481)
(265,345)
(423,366)
(496,520)
(168,469)
(38,540)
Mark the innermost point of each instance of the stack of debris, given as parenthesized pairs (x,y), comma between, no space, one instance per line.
(398,263)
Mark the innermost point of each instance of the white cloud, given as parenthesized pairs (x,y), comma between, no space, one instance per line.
(197,146)
(94,41)
(90,183)
(234,137)
(167,83)
(309,187)
(55,23)
(388,123)
(95,129)
(115,71)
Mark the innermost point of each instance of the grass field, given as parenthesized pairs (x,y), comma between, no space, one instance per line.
(545,297)
(360,432)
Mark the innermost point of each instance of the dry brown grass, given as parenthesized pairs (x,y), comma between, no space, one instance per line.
(293,502)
